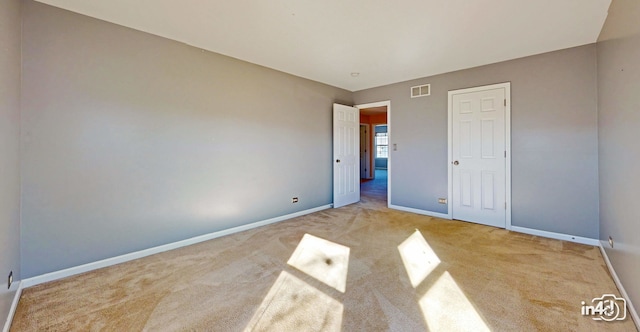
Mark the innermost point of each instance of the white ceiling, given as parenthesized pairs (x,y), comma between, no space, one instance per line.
(385,41)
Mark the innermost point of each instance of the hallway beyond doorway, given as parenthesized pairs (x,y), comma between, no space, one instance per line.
(375,188)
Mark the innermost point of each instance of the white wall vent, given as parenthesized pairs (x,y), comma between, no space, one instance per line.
(420,90)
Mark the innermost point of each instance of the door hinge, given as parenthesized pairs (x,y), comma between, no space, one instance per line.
(505,102)
(505,153)
(505,205)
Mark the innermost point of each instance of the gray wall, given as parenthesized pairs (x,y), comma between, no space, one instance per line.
(132,141)
(9,150)
(618,118)
(554,138)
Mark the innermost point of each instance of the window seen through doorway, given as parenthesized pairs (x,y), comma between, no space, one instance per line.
(382,145)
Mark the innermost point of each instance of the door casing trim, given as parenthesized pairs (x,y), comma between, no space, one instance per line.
(388,104)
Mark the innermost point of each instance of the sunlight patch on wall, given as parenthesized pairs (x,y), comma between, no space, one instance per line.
(418,258)
(324,260)
(446,308)
(294,305)
(214,209)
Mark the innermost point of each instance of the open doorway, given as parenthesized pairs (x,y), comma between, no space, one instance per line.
(374,150)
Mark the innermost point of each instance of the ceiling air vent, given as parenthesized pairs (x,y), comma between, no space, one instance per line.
(420,90)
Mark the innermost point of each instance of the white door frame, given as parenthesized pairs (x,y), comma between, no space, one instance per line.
(507,87)
(388,104)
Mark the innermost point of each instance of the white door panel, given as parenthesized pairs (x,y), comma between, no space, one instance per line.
(478,156)
(346,155)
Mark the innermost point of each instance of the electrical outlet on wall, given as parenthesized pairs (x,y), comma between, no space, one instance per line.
(9,280)
(294,200)
(442,200)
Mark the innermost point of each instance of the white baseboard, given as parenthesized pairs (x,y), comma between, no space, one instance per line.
(14,306)
(47,277)
(630,308)
(418,211)
(557,236)
(530,231)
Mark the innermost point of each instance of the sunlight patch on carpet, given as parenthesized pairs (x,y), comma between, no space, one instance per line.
(446,308)
(418,258)
(294,305)
(326,261)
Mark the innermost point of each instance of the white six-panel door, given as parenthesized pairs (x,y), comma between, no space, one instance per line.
(479,155)
(346,155)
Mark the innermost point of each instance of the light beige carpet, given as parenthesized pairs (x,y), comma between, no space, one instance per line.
(358,268)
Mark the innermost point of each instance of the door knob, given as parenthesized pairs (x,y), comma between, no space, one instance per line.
(338,160)
(455,163)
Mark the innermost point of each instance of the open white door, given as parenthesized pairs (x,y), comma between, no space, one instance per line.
(479,161)
(346,159)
